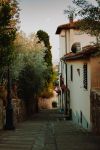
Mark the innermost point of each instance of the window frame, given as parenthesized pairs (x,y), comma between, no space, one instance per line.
(71,72)
(85,76)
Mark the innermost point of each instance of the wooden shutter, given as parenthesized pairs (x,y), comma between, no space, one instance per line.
(85,80)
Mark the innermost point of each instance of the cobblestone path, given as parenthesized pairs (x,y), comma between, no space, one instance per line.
(46,131)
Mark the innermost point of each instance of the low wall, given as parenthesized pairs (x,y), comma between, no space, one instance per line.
(18,109)
(95,111)
(2,114)
(46,103)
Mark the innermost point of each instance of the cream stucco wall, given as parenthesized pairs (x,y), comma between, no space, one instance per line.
(77,36)
(68,37)
(79,97)
(83,38)
(62,43)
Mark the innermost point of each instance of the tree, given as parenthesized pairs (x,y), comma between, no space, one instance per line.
(70,11)
(90,15)
(44,37)
(9,15)
(31,73)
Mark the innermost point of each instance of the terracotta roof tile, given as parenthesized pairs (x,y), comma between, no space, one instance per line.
(72,25)
(85,53)
(67,26)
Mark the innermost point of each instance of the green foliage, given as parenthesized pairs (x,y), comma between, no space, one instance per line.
(70,11)
(55,78)
(30,67)
(29,83)
(43,36)
(48,90)
(9,15)
(47,93)
(90,15)
(88,10)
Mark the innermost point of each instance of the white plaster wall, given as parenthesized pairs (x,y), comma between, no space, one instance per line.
(77,36)
(63,70)
(62,43)
(79,97)
(68,40)
(60,67)
(71,37)
(83,38)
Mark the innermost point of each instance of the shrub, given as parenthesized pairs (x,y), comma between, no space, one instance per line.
(47,94)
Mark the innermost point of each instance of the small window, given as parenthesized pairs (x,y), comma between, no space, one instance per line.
(81,116)
(78,71)
(85,82)
(71,72)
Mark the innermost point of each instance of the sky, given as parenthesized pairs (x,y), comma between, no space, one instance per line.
(44,15)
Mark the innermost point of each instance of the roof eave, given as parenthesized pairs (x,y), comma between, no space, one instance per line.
(80,55)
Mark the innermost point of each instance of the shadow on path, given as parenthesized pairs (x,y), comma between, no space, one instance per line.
(46,131)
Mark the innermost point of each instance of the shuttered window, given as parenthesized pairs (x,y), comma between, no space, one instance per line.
(85,79)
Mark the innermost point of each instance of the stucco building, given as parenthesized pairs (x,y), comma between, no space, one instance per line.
(77,69)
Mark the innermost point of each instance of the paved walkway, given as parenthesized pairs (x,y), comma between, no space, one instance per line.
(46,131)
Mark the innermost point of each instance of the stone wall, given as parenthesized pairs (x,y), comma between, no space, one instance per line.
(19,114)
(19,110)
(18,107)
(95,111)
(2,114)
(95,72)
(46,103)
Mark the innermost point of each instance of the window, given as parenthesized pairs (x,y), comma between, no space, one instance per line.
(81,116)
(71,72)
(85,82)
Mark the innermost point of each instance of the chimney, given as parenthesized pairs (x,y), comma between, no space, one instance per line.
(71,17)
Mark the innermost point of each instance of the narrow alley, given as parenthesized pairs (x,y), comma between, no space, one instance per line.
(48,131)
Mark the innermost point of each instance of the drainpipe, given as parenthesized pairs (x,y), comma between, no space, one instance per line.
(66,99)
(60,96)
(61,89)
